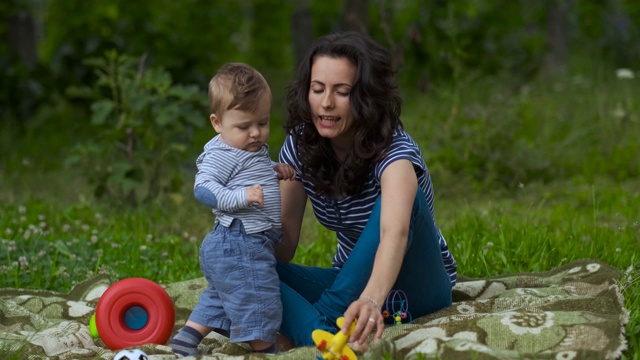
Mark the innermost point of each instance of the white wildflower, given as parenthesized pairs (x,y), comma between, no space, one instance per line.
(23,262)
(619,111)
(624,74)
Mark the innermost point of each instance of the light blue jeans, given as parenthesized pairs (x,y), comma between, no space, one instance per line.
(314,297)
(242,295)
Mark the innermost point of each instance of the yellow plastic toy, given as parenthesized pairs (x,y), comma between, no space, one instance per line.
(334,346)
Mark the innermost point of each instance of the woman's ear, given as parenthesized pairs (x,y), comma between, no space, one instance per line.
(216,122)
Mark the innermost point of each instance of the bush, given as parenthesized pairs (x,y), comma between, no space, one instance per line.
(142,124)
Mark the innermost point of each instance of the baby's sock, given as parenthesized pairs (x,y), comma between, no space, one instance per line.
(186,341)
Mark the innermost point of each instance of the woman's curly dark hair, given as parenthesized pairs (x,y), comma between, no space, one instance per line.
(375,104)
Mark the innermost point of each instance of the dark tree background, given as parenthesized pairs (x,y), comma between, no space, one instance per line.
(45,46)
(45,41)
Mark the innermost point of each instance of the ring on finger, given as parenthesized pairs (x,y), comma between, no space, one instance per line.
(372,320)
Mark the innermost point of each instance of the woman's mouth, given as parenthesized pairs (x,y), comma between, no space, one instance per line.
(328,121)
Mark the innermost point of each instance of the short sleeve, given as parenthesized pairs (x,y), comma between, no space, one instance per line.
(289,155)
(402,148)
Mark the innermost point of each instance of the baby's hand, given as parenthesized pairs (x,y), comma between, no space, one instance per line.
(285,171)
(255,195)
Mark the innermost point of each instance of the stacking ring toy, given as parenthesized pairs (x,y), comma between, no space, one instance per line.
(131,312)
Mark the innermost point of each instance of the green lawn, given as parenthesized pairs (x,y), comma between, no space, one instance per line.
(52,245)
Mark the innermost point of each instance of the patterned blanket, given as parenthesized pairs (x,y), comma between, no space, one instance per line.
(573,312)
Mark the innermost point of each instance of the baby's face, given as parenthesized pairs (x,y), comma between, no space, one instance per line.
(245,130)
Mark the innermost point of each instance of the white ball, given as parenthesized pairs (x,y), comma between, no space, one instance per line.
(132,354)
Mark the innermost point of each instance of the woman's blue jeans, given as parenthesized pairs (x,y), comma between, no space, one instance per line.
(313,297)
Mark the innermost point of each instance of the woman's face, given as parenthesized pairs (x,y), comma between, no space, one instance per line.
(331,83)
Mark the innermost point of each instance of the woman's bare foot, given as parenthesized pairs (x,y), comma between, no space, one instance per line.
(283,343)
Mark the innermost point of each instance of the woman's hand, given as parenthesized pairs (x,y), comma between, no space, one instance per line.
(285,171)
(367,312)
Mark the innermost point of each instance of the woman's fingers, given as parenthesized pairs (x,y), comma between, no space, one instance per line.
(367,318)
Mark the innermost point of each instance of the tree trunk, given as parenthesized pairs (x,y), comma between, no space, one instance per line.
(356,15)
(21,36)
(301,29)
(557,30)
(620,28)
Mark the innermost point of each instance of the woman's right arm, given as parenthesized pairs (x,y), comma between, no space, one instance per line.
(294,201)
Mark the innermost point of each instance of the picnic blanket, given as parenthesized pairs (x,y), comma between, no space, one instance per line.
(572,312)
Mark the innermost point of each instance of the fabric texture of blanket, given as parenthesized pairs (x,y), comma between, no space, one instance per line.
(572,312)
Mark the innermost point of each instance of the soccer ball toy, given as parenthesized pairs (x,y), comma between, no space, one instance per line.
(133,354)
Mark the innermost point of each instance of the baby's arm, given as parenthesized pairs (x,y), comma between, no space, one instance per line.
(284,171)
(213,172)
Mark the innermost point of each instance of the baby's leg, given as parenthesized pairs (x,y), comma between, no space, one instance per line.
(186,341)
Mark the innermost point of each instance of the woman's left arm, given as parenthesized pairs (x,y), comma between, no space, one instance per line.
(399,185)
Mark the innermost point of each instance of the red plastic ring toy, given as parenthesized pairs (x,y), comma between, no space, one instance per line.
(134,311)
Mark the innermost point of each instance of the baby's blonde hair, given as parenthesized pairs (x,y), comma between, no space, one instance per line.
(236,86)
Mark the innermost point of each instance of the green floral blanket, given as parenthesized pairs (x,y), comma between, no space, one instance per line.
(573,312)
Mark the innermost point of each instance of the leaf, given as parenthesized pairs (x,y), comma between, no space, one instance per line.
(168,113)
(80,92)
(62,247)
(101,110)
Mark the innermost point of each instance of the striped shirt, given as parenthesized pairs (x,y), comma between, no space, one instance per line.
(348,215)
(226,172)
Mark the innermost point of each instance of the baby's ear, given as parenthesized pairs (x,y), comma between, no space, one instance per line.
(216,122)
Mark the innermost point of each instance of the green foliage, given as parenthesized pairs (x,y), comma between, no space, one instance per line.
(318,246)
(142,124)
(188,38)
(503,135)
(441,41)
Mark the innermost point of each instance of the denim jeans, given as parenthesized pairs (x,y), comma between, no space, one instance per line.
(242,295)
(314,297)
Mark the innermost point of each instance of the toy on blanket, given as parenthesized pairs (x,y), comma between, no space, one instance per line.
(397,305)
(131,312)
(132,354)
(334,347)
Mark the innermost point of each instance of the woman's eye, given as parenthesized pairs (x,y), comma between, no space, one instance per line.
(316,91)
(343,93)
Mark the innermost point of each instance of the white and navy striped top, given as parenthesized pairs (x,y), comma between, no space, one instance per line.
(347,216)
(224,174)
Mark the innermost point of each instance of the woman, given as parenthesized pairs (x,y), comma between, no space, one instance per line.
(366,180)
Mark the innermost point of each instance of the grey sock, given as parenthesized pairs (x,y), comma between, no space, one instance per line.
(186,341)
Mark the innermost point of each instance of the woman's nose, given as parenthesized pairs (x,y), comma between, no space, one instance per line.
(327,101)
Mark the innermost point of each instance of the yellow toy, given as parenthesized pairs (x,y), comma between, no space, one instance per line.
(334,347)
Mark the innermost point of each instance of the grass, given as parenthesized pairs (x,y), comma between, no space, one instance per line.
(51,245)
(527,179)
